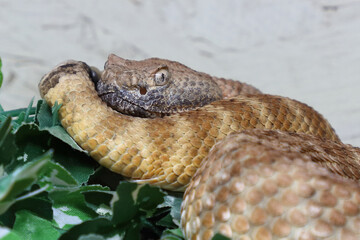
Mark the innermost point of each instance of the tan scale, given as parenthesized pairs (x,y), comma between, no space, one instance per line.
(259,192)
(252,186)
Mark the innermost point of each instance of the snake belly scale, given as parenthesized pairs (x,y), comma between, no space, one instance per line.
(169,150)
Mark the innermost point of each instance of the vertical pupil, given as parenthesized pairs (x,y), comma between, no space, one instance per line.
(160,78)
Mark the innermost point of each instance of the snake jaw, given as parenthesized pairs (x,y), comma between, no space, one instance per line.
(118,102)
(148,105)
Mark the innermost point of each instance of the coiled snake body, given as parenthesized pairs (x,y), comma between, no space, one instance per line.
(257,183)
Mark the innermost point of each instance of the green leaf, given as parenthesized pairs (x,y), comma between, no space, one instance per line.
(8,148)
(149,198)
(219,236)
(5,128)
(172,234)
(136,198)
(39,206)
(132,204)
(20,119)
(77,163)
(133,230)
(60,133)
(123,197)
(70,207)
(102,226)
(55,115)
(57,176)
(19,116)
(43,114)
(24,116)
(17,112)
(174,202)
(32,142)
(19,180)
(28,226)
(47,119)
(106,177)
(92,236)
(167,222)
(29,110)
(99,201)
(7,234)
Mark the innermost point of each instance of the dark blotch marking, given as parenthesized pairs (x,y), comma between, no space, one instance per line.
(69,65)
(49,81)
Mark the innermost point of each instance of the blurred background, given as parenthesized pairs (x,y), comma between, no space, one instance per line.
(304,49)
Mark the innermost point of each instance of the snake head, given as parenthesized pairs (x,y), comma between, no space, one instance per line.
(154,87)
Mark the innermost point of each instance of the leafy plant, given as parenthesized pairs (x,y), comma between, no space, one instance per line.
(51,189)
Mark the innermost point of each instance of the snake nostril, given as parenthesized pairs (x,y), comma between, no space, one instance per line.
(143,90)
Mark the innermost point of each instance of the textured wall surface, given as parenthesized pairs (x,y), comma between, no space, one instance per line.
(305,49)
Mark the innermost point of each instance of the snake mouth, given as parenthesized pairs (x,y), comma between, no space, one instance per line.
(121,104)
(137,101)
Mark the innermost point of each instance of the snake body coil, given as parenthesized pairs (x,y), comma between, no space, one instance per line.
(253,185)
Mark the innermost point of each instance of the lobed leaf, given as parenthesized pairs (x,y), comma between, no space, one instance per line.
(174,202)
(42,207)
(219,236)
(19,116)
(48,121)
(32,142)
(70,207)
(98,226)
(172,234)
(57,176)
(8,147)
(99,201)
(19,180)
(8,234)
(28,226)
(123,197)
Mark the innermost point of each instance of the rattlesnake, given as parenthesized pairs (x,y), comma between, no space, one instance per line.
(257,183)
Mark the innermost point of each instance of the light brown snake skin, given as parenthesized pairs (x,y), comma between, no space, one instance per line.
(258,184)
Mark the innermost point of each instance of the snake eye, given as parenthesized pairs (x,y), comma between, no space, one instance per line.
(161,77)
